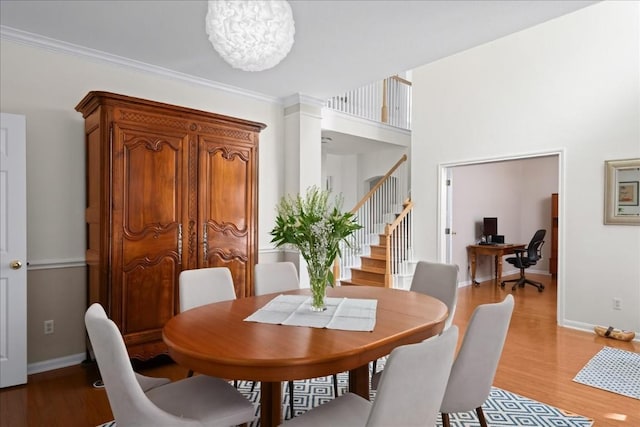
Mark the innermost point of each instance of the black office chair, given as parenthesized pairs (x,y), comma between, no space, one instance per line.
(525,258)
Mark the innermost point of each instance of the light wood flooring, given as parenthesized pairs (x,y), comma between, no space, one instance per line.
(539,361)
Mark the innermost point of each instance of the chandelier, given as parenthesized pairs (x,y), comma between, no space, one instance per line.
(251,35)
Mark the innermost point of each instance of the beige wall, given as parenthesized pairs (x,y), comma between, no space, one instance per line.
(58,294)
(45,86)
(570,85)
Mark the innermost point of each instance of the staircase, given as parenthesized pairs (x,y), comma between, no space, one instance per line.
(372,270)
(381,252)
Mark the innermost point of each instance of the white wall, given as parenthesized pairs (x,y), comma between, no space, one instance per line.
(517,192)
(570,84)
(343,173)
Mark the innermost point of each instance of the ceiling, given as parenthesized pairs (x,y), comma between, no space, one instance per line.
(339,45)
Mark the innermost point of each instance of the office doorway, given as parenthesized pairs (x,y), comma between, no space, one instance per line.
(517,190)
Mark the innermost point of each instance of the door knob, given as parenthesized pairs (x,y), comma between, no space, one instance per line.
(15,264)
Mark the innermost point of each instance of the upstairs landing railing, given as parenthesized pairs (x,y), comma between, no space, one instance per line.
(388,101)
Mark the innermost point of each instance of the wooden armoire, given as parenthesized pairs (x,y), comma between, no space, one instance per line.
(168,189)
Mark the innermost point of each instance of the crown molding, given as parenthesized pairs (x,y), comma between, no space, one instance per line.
(301,99)
(39,41)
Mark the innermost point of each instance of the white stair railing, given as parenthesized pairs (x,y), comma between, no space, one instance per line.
(399,235)
(388,101)
(383,205)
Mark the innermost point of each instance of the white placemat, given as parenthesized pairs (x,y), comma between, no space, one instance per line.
(350,314)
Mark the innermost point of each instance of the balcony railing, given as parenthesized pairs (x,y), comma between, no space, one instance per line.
(388,101)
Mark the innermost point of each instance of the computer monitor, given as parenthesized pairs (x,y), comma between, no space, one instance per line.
(490,226)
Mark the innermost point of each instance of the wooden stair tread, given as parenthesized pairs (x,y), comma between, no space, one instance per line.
(370,269)
(374,256)
(362,282)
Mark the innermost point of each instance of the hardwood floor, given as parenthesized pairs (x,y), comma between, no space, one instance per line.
(539,361)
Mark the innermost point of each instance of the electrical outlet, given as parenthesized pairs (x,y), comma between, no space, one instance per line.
(48,327)
(617,304)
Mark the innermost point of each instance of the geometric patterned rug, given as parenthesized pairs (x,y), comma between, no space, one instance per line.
(614,370)
(502,409)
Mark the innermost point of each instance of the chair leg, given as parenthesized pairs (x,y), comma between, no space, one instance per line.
(517,282)
(520,283)
(445,420)
(291,408)
(335,385)
(483,421)
(538,285)
(375,367)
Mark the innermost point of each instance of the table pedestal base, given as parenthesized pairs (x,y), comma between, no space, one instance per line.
(271,403)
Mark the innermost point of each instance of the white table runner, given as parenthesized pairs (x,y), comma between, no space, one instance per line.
(349,314)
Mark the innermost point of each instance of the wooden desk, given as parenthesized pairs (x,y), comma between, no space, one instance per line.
(497,251)
(214,340)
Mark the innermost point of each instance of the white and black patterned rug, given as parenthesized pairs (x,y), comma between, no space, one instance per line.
(614,370)
(503,408)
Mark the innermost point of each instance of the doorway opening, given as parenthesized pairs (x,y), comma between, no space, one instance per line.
(518,191)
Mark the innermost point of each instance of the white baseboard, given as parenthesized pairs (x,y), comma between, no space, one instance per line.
(586,327)
(57,363)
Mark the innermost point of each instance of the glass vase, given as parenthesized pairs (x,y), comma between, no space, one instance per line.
(318,282)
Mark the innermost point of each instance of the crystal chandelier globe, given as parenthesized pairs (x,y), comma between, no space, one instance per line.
(251,35)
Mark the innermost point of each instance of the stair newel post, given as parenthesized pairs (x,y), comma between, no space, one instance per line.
(336,270)
(387,244)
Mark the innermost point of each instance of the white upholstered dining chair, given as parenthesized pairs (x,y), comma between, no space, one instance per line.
(437,280)
(142,401)
(477,360)
(424,366)
(275,277)
(440,281)
(202,286)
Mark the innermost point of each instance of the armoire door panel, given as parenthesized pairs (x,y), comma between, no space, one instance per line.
(145,286)
(225,184)
(224,244)
(148,173)
(150,245)
(152,176)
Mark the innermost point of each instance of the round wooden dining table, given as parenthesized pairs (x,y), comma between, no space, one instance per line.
(215,340)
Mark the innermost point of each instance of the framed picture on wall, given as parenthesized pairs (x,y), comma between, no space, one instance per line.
(621,192)
(628,193)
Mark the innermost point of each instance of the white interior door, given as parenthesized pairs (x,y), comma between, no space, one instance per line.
(13,251)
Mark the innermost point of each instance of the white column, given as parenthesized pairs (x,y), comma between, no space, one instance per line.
(303,162)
